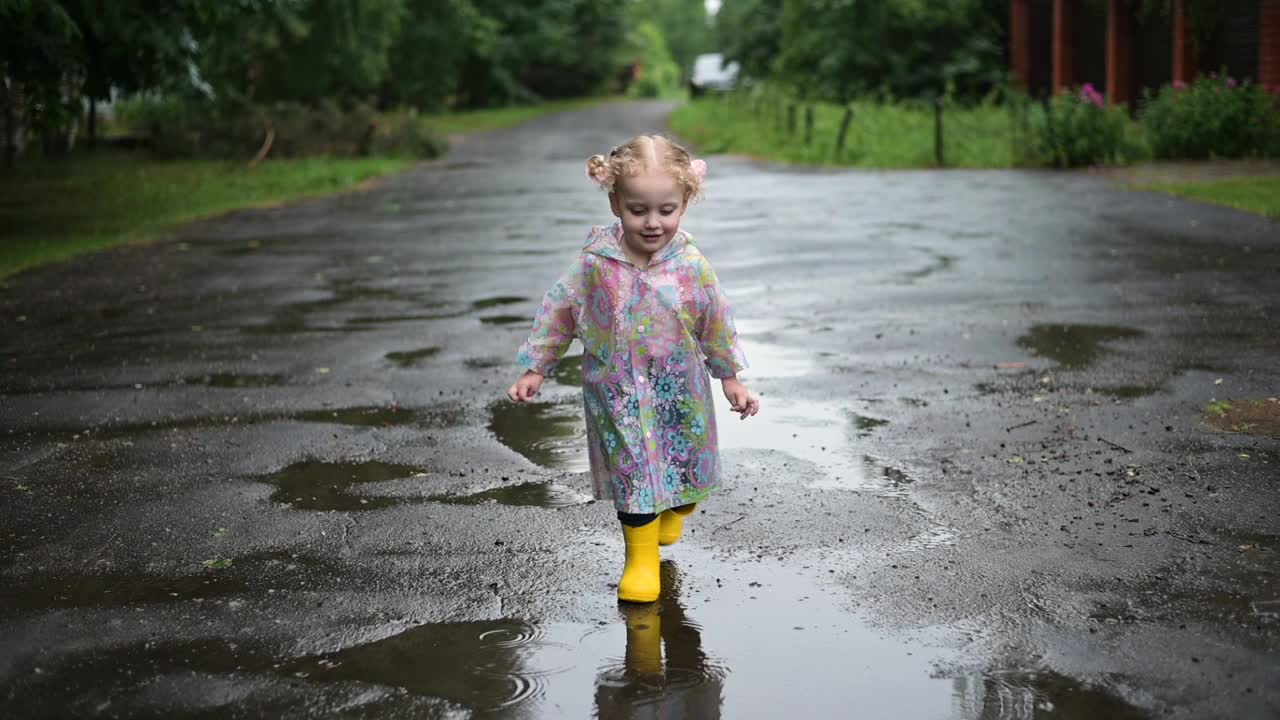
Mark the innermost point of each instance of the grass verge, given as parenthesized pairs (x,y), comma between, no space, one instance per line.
(1260,194)
(880,136)
(54,209)
(467,121)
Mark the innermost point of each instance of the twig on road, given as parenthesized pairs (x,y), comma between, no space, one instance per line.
(1115,445)
(1020,425)
(739,519)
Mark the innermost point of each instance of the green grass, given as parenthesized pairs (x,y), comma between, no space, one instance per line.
(880,136)
(1252,194)
(54,209)
(467,121)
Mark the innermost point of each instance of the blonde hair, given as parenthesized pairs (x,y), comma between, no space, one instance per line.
(645,152)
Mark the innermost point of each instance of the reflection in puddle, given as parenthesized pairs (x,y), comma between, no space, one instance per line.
(552,435)
(767,360)
(1036,695)
(735,648)
(498,301)
(487,363)
(410,358)
(485,665)
(234,380)
(531,494)
(1073,346)
(865,425)
(1128,392)
(370,416)
(569,371)
(941,263)
(819,434)
(315,485)
(506,320)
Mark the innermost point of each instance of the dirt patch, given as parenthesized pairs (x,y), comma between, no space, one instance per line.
(1251,416)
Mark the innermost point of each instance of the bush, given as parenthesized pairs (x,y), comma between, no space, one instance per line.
(178,128)
(1078,128)
(1213,117)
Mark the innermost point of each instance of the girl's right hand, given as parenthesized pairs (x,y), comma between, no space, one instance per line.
(526,387)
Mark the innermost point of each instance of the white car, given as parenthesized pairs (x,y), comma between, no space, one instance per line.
(711,74)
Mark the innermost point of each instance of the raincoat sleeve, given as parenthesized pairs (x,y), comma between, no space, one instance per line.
(555,324)
(715,332)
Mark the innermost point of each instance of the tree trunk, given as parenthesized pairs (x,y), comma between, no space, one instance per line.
(93,121)
(7,101)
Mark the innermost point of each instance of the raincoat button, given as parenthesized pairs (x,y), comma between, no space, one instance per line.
(641,328)
(639,378)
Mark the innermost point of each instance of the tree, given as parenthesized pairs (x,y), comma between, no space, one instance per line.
(685,27)
(750,32)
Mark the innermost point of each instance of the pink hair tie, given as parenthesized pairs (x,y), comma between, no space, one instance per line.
(699,168)
(599,175)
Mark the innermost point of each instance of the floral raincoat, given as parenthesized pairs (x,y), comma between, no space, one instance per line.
(651,425)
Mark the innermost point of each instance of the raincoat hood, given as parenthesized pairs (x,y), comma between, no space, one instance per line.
(606,241)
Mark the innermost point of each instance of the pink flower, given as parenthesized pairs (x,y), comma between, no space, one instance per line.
(1090,95)
(1231,82)
(1179,85)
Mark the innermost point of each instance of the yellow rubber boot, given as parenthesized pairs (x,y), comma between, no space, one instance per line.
(671,522)
(644,640)
(640,581)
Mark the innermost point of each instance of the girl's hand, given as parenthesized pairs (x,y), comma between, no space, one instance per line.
(525,387)
(740,399)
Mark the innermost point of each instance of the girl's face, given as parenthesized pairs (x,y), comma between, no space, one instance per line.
(650,206)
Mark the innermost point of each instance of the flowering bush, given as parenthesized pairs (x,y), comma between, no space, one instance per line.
(1077,128)
(1214,116)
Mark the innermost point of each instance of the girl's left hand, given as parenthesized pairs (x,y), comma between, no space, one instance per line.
(741,400)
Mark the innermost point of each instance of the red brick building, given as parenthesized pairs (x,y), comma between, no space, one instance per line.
(1056,44)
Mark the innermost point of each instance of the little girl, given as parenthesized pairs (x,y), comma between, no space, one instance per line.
(649,312)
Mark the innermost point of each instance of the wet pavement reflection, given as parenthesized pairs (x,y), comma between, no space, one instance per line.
(1074,346)
(707,652)
(315,485)
(550,434)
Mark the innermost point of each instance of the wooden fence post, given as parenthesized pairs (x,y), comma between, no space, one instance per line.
(844,130)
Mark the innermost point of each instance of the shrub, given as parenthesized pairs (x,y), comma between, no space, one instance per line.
(1214,116)
(1078,128)
(178,128)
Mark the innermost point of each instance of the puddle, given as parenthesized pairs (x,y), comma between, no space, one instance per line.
(235,380)
(1073,346)
(488,363)
(486,665)
(410,358)
(315,485)
(507,320)
(500,300)
(1259,416)
(824,435)
(569,371)
(941,263)
(1035,696)
(531,494)
(864,425)
(1128,392)
(370,416)
(298,317)
(552,435)
(766,360)
(763,639)
(113,590)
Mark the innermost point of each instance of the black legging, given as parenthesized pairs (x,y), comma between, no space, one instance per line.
(636,519)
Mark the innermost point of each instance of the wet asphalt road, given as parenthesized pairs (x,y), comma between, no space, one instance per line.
(263,469)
